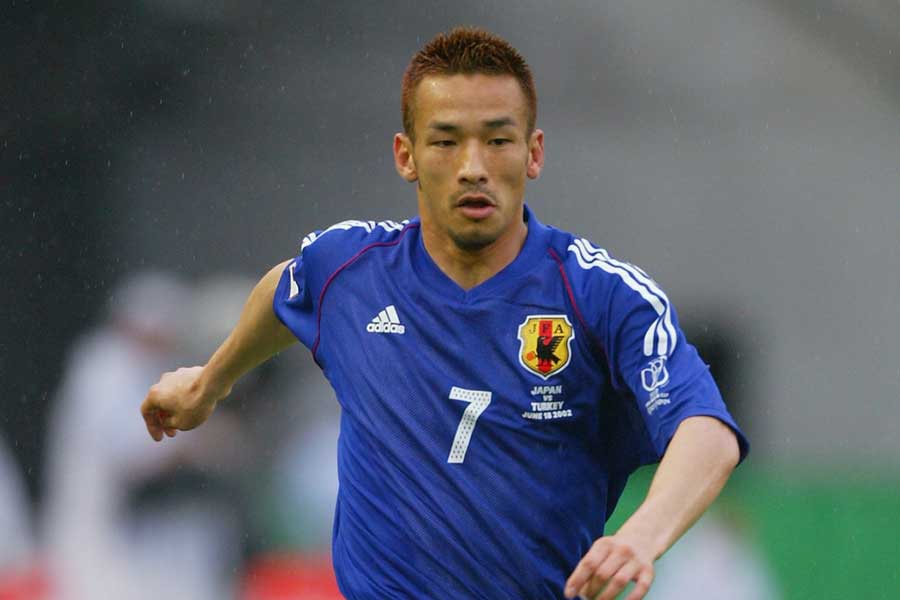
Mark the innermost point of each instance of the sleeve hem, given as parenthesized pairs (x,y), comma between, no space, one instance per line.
(277,305)
(662,441)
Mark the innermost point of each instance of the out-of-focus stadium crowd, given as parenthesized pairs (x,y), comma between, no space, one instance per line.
(209,514)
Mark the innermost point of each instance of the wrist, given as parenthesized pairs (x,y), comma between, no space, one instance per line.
(209,388)
(647,540)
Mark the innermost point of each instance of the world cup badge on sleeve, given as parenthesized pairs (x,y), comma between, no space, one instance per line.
(545,346)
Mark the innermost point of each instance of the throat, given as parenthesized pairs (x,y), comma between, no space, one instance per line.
(469,264)
(468,275)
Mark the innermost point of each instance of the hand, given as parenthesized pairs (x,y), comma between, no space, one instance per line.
(611,562)
(175,402)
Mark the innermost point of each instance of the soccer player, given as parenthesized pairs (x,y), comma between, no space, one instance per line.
(499,378)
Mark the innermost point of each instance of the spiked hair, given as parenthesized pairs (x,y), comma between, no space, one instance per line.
(466,50)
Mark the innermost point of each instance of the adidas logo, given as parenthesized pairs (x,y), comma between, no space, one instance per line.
(387,321)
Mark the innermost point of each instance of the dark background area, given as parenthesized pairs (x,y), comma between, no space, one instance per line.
(80,82)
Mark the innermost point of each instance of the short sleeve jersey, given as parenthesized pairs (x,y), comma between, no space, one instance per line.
(486,434)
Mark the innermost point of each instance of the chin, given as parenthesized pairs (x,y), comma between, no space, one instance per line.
(473,240)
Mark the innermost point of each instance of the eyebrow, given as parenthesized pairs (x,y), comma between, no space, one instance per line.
(490,124)
(498,123)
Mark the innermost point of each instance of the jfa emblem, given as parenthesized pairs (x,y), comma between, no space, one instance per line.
(546,344)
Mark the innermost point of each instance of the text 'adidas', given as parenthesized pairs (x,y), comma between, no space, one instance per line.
(387,321)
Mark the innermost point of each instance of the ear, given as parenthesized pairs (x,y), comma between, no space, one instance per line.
(403,157)
(535,154)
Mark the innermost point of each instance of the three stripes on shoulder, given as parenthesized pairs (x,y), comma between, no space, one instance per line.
(661,336)
(369,226)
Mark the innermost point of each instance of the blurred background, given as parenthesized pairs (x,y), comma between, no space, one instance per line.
(157,156)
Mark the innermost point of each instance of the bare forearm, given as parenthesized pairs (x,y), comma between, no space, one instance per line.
(697,463)
(185,398)
(700,458)
(257,336)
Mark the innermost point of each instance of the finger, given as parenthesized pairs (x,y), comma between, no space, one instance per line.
(604,573)
(165,419)
(171,431)
(645,578)
(585,568)
(153,427)
(619,580)
(148,412)
(160,426)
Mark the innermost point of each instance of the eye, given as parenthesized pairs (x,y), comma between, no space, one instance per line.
(443,143)
(500,141)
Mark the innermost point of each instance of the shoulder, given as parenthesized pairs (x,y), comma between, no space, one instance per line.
(323,254)
(593,268)
(331,247)
(614,291)
(354,233)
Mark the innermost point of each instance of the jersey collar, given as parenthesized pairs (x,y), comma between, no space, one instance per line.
(532,250)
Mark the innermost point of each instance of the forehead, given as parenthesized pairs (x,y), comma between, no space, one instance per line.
(461,97)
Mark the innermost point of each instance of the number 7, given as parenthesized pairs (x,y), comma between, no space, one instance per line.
(478,401)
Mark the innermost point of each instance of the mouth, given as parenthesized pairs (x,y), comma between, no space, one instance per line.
(476,206)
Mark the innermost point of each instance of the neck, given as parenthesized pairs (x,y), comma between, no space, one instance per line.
(469,268)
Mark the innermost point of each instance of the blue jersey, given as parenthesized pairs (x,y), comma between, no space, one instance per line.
(486,434)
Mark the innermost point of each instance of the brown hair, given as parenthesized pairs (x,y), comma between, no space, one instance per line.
(466,50)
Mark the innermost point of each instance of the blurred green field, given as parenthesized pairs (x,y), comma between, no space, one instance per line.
(826,534)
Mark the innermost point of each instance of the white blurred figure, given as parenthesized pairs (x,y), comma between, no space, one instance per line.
(714,560)
(201,529)
(99,453)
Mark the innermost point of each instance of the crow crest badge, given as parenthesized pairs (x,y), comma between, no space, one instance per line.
(545,344)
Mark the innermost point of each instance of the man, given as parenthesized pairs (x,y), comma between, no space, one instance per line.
(499,378)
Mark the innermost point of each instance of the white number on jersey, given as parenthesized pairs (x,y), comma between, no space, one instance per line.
(478,401)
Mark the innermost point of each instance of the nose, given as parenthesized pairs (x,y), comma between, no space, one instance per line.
(471,164)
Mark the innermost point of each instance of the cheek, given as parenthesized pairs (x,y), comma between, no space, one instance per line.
(512,170)
(513,161)
(435,168)
(435,178)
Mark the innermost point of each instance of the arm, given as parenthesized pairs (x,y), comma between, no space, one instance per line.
(697,463)
(185,398)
